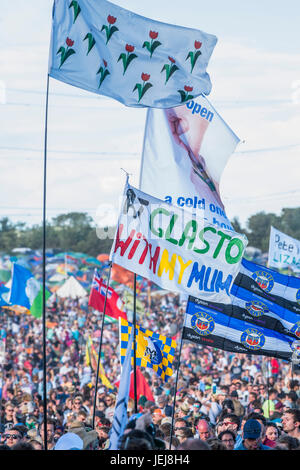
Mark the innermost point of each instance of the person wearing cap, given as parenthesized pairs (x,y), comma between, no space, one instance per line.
(251,439)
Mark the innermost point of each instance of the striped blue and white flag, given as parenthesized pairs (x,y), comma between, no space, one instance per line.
(263,297)
(120,417)
(212,327)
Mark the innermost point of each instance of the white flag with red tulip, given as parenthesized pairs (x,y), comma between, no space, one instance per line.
(105,49)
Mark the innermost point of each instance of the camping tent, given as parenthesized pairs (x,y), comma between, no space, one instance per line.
(71,289)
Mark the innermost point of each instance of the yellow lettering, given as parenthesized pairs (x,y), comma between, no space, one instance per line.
(183,267)
(166,265)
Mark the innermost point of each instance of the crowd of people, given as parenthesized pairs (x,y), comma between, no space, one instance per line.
(224,401)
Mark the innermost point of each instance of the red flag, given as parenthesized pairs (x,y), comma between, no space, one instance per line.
(114,304)
(142,387)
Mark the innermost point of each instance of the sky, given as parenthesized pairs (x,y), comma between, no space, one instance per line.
(255,75)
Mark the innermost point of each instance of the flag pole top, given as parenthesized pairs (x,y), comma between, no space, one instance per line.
(127,175)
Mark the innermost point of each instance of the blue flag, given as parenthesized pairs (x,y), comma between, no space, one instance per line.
(120,417)
(212,327)
(105,49)
(26,291)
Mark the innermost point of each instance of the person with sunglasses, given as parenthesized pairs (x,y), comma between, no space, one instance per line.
(12,437)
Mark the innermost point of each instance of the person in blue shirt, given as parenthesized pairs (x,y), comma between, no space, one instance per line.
(252,437)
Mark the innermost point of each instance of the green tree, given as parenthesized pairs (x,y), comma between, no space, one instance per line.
(259,229)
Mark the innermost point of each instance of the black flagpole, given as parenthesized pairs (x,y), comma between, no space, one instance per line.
(44,271)
(175,391)
(100,346)
(134,345)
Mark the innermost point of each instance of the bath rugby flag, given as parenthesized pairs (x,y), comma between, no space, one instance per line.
(114,305)
(152,349)
(270,298)
(264,298)
(105,49)
(209,327)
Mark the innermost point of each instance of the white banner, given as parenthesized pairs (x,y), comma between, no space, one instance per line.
(284,251)
(185,151)
(174,249)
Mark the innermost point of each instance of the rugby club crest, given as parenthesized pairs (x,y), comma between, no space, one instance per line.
(264,280)
(253,339)
(296,329)
(256,309)
(202,323)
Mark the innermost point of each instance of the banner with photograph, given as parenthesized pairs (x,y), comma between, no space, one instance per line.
(185,152)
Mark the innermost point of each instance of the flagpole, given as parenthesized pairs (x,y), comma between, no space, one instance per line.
(176,383)
(100,345)
(44,270)
(134,345)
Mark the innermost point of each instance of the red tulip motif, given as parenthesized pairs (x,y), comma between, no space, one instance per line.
(145,77)
(127,58)
(110,29)
(129,48)
(153,44)
(185,96)
(143,87)
(169,68)
(111,19)
(194,55)
(153,34)
(69,42)
(66,52)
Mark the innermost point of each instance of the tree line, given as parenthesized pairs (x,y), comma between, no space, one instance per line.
(76,231)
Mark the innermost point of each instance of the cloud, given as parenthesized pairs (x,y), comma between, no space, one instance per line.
(110,135)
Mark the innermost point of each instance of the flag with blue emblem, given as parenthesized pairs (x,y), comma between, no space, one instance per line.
(120,417)
(152,349)
(105,49)
(26,291)
(213,327)
(267,298)
(264,298)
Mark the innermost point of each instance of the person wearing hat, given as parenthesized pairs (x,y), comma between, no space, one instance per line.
(238,407)
(89,437)
(252,437)
(184,411)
